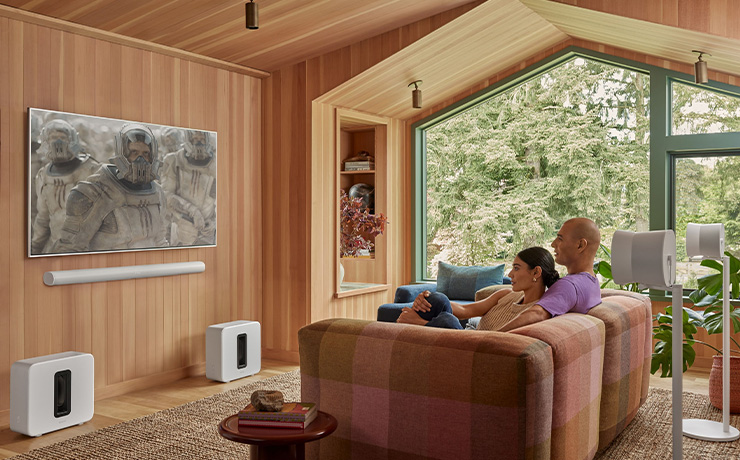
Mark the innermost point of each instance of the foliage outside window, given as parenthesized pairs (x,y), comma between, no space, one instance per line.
(701,111)
(505,174)
(706,189)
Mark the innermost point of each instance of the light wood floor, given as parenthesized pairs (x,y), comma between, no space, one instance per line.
(122,408)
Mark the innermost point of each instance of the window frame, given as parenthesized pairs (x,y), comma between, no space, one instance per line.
(664,145)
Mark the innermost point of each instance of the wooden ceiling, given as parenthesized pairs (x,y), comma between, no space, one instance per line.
(290,30)
(663,41)
(492,37)
(488,39)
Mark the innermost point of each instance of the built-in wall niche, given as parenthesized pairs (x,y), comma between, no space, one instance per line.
(361,159)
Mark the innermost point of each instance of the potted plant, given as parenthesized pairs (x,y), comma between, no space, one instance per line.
(709,297)
(357,225)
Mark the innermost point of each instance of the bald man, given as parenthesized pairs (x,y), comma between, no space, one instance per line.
(575,247)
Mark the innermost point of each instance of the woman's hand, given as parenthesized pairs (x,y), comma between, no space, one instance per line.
(409,316)
(420,302)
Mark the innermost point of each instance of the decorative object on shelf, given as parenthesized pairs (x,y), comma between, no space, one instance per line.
(363,161)
(253,15)
(267,400)
(365,193)
(701,75)
(707,241)
(341,273)
(355,223)
(416,94)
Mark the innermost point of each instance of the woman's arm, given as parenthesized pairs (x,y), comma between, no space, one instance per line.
(478,308)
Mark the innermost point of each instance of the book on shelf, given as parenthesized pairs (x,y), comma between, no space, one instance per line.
(291,412)
(359,166)
(302,424)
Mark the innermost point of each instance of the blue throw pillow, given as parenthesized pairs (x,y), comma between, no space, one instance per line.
(461,283)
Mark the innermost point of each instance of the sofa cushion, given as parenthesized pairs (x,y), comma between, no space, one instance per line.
(463,282)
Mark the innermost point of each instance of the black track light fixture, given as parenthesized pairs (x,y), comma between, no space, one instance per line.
(253,15)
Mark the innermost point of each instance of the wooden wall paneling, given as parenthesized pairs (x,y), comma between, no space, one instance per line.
(139,331)
(271,146)
(115,351)
(298,234)
(8,341)
(323,218)
(253,291)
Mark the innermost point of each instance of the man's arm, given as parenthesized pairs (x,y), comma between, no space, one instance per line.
(532,315)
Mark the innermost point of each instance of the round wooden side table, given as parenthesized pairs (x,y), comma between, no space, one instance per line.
(277,443)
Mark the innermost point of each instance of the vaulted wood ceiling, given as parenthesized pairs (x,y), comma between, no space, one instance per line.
(290,30)
(488,39)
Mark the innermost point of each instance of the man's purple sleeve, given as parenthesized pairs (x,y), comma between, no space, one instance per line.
(578,293)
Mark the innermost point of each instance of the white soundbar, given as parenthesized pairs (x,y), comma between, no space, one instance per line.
(93,275)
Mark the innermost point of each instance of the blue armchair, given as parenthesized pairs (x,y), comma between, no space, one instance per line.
(405,296)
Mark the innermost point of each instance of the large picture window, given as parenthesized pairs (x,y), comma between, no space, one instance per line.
(505,174)
(629,145)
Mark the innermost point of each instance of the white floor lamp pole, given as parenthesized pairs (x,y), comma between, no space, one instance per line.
(677,369)
(709,430)
(649,258)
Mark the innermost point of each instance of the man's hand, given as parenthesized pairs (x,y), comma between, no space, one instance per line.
(420,302)
(533,314)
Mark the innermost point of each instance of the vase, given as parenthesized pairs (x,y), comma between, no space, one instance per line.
(715,383)
(341,273)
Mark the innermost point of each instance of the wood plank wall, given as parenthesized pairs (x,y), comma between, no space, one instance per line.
(290,205)
(140,331)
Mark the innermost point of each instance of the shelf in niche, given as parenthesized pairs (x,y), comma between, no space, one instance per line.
(367,171)
(348,289)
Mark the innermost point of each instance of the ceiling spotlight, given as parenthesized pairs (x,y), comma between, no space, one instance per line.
(700,68)
(253,15)
(416,94)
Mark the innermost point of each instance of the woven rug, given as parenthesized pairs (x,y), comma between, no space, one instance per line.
(648,437)
(190,431)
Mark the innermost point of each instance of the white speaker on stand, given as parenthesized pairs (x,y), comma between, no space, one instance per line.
(51,392)
(233,350)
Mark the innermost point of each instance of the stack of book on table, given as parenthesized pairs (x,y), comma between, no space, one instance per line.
(293,415)
(359,165)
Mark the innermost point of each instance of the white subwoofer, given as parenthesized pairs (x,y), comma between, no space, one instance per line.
(233,350)
(51,392)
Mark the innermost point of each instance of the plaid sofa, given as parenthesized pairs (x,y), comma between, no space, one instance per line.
(558,389)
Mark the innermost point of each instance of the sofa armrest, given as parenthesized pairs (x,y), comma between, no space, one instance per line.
(408,292)
(402,391)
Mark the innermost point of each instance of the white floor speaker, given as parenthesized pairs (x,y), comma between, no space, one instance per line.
(51,392)
(233,350)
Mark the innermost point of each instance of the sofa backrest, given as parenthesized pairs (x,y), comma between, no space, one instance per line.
(627,351)
(403,391)
(627,317)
